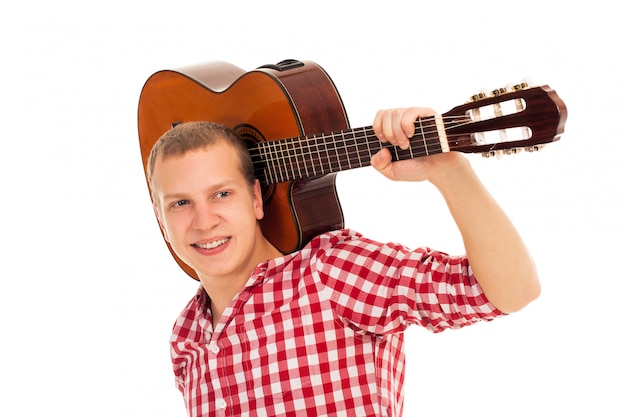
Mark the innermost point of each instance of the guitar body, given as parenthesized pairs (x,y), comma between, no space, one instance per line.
(290,99)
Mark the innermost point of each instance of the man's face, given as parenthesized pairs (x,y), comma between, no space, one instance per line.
(208,212)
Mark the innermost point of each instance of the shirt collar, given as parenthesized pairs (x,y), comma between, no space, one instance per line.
(260,273)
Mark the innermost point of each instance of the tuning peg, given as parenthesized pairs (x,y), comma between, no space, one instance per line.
(521,86)
(534,148)
(498,92)
(478,96)
(524,84)
(510,151)
(498,154)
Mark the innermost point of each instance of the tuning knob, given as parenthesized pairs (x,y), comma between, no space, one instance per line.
(521,86)
(498,92)
(534,148)
(478,96)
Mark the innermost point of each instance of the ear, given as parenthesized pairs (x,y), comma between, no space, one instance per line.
(158,216)
(258,200)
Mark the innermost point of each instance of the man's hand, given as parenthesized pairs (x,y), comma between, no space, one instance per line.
(396,126)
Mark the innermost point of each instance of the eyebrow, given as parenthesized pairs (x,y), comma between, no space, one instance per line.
(175,196)
(212,188)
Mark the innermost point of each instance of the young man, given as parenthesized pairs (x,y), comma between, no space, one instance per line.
(318,331)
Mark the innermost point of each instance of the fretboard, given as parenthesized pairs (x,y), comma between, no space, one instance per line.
(313,156)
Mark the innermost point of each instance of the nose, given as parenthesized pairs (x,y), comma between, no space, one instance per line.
(204,218)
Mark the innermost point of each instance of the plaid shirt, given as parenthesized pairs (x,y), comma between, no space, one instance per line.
(319,331)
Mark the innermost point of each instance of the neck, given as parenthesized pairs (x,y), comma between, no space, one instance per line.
(223,290)
(311,156)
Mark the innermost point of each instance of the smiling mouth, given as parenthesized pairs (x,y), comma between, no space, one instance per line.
(211,245)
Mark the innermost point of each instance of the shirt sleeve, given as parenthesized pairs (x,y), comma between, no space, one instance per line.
(188,332)
(382,288)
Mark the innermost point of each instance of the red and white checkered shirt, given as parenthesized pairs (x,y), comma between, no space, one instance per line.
(319,332)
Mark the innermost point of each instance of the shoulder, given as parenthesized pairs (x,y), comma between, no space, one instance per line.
(346,249)
(187,324)
(340,243)
(352,241)
(336,237)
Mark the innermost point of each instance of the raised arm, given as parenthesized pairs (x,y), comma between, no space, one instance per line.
(498,257)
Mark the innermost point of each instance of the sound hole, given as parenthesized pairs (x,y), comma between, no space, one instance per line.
(251,136)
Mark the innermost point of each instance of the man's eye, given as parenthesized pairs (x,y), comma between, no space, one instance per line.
(180,203)
(222,194)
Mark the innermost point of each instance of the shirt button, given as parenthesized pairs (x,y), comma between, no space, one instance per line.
(214,348)
(221,404)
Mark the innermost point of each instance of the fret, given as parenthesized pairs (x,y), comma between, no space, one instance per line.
(347,145)
(355,139)
(322,155)
(334,152)
(320,146)
(317,160)
(287,158)
(432,143)
(313,160)
(292,156)
(303,145)
(270,163)
(267,170)
(441,134)
(345,150)
(312,151)
(395,150)
(281,160)
(258,157)
(347,153)
(300,156)
(301,162)
(411,148)
(367,144)
(315,156)
(281,167)
(309,164)
(421,128)
(329,154)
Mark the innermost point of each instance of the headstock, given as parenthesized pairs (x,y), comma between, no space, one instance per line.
(506,121)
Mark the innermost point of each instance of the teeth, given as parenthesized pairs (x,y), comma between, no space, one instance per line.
(212,245)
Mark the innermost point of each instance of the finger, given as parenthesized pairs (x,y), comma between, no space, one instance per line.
(377,125)
(408,121)
(410,116)
(395,124)
(381,161)
(391,127)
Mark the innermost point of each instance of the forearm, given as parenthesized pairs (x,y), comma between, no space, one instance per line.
(497,254)
(498,257)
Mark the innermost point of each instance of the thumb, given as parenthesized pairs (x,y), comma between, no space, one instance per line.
(381,161)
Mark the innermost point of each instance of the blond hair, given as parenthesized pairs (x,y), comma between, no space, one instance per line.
(191,136)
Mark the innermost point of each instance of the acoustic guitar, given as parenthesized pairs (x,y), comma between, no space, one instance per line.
(299,137)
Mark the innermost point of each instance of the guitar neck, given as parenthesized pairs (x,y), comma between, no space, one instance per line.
(313,156)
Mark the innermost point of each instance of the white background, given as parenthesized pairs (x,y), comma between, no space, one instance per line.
(88,290)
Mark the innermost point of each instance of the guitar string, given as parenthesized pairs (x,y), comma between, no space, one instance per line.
(352,134)
(313,141)
(284,162)
(285,159)
(294,166)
